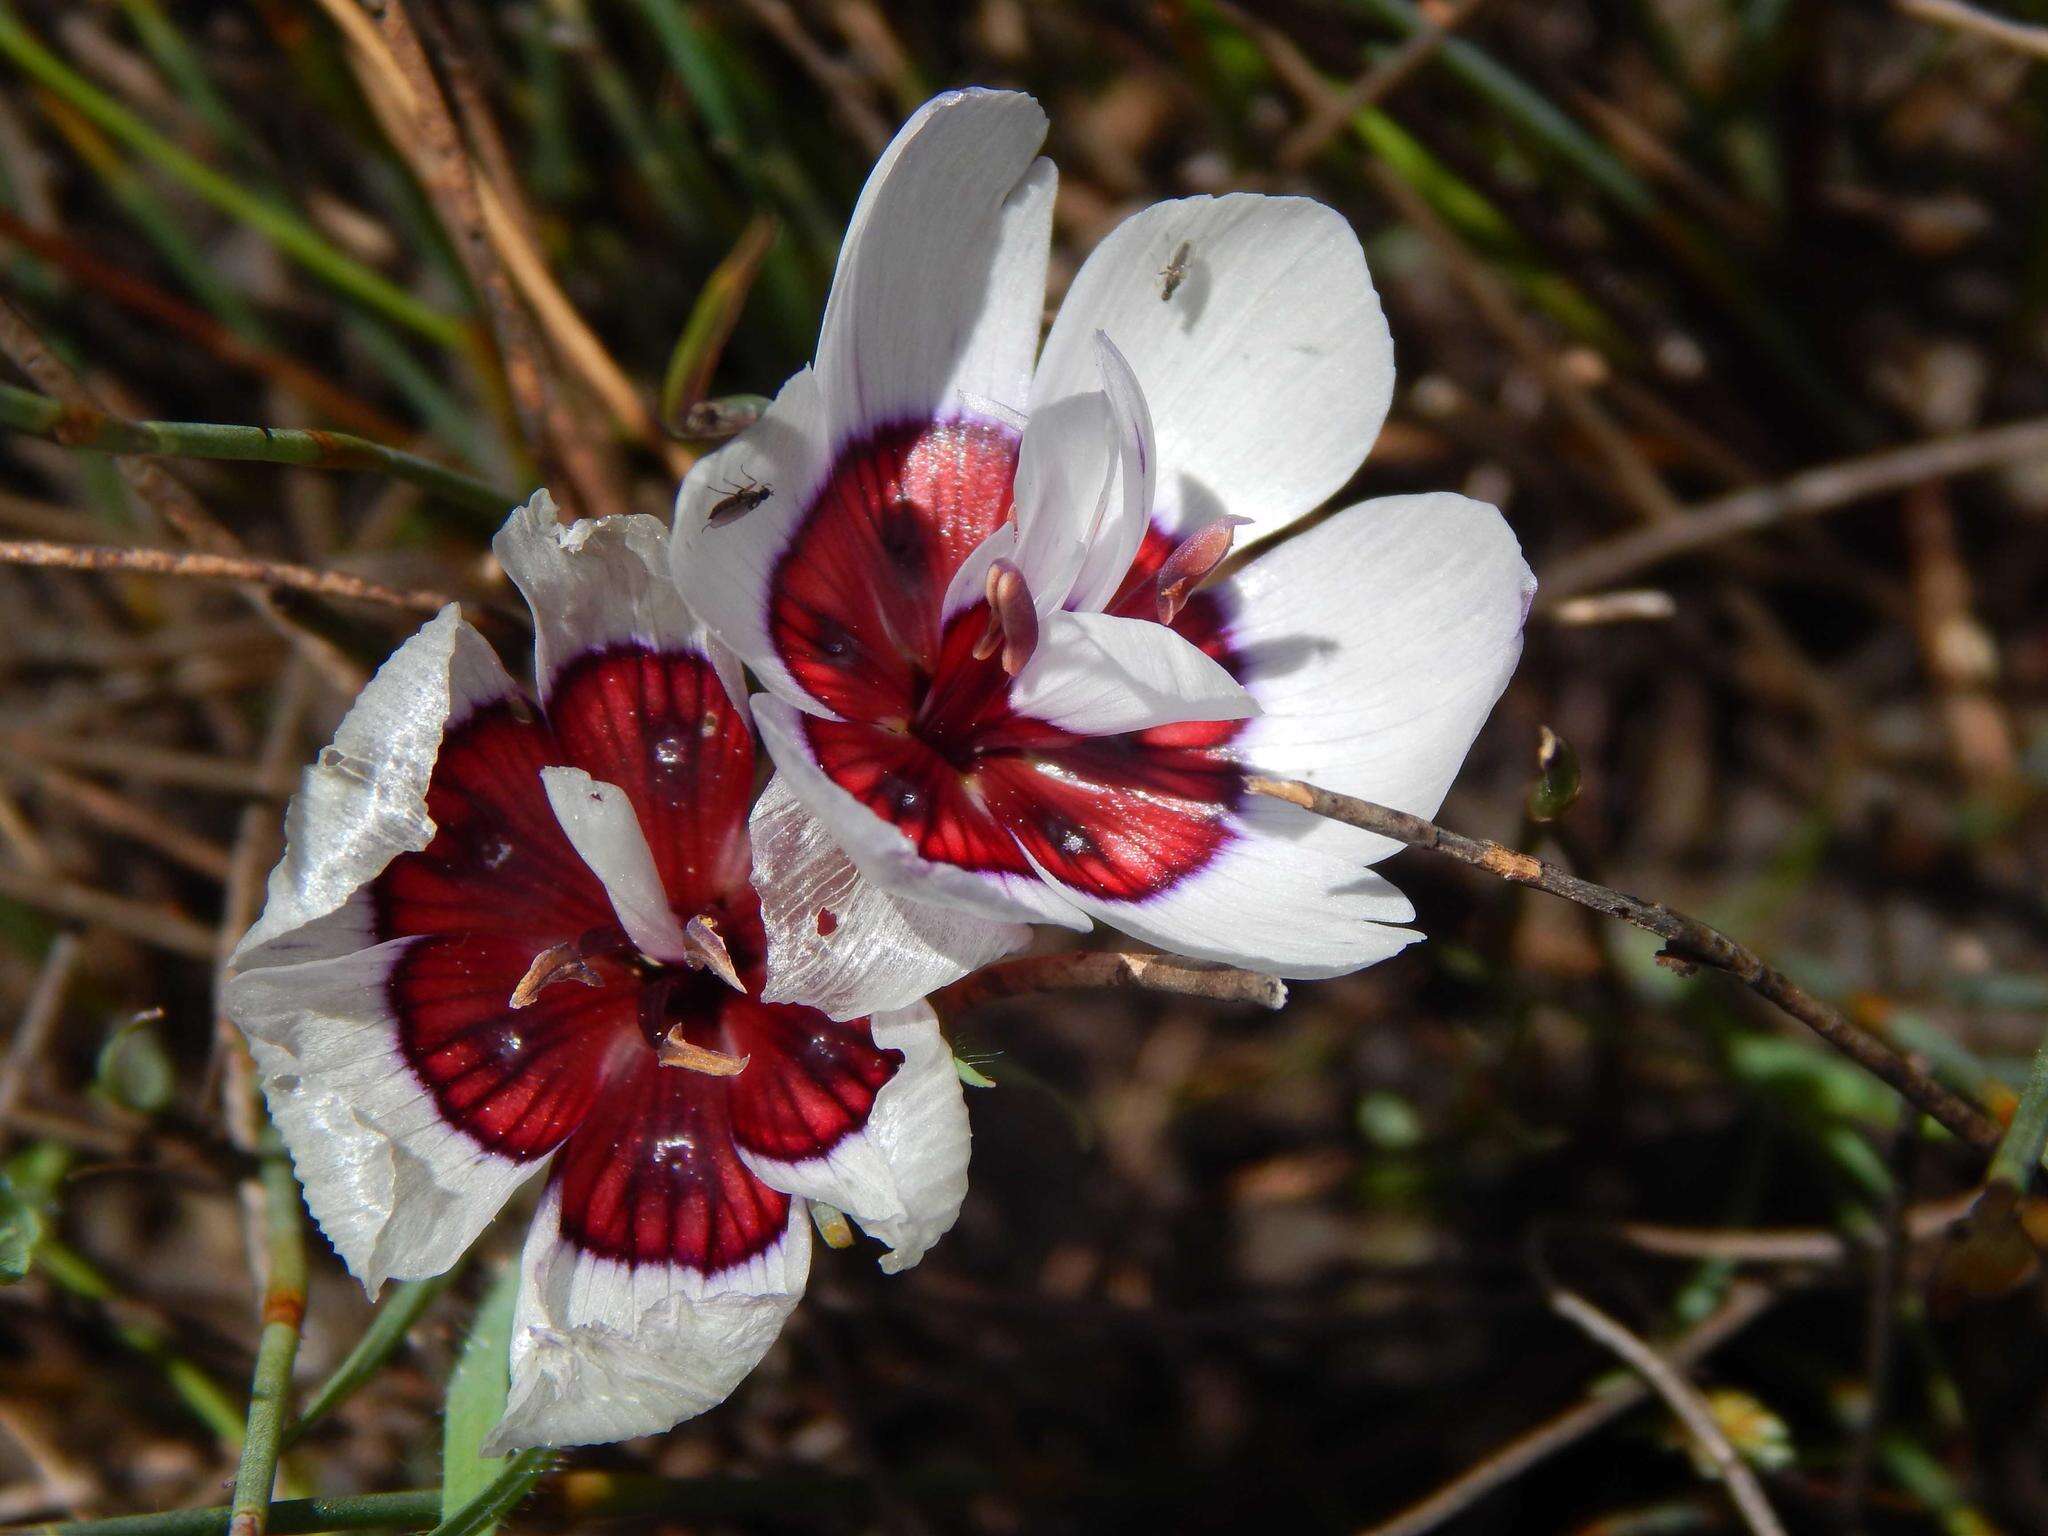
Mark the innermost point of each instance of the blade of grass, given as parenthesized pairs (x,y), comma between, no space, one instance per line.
(284,228)
(284,1311)
(394,1319)
(82,427)
(712,318)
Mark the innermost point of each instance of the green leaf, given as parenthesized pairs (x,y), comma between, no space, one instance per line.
(28,1195)
(476,1399)
(134,1070)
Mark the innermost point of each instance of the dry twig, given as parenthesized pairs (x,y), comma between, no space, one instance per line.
(1745,1303)
(1112,971)
(1687,940)
(215,567)
(1683,1399)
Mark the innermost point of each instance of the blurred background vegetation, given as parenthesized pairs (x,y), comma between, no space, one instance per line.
(1735,307)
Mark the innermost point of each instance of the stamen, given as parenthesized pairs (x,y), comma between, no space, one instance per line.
(1012,618)
(832,1225)
(561,962)
(1192,562)
(674,1051)
(707,952)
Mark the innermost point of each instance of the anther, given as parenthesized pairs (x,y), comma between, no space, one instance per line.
(1192,562)
(674,1051)
(561,962)
(707,952)
(1012,618)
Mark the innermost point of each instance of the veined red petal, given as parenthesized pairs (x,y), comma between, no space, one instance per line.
(515,1080)
(652,1175)
(809,1081)
(910,786)
(661,726)
(498,863)
(855,602)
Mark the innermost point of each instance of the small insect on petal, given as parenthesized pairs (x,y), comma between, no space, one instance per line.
(1192,562)
(1175,272)
(708,951)
(1012,618)
(675,1051)
(562,962)
(738,501)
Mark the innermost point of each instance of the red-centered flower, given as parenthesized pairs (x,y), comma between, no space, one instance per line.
(971,580)
(511,934)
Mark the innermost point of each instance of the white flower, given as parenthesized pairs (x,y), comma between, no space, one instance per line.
(514,934)
(952,586)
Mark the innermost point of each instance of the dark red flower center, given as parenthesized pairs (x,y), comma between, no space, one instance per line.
(649,1166)
(928,738)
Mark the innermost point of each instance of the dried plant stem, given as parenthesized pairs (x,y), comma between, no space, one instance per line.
(1745,1303)
(284,1310)
(215,567)
(122,816)
(140,920)
(1112,971)
(1683,1399)
(77,426)
(1820,489)
(1325,118)
(2017,35)
(150,763)
(1687,939)
(38,1021)
(442,163)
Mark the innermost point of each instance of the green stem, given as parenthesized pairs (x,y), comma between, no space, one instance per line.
(387,1330)
(208,1400)
(2019,1153)
(412,1509)
(284,1309)
(284,228)
(505,1493)
(82,427)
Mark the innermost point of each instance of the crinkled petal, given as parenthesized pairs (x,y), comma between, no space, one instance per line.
(838,941)
(398,1190)
(364,800)
(604,1350)
(1268,371)
(599,822)
(1285,893)
(903,1174)
(884,854)
(599,585)
(1377,643)
(941,278)
(1097,675)
(724,573)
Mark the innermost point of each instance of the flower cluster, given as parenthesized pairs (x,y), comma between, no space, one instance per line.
(1003,684)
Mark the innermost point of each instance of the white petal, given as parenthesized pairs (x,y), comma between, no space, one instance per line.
(599,821)
(603,1350)
(1066,470)
(1377,643)
(1123,526)
(1095,674)
(941,279)
(903,1175)
(885,855)
(1268,372)
(600,583)
(1288,895)
(724,573)
(364,799)
(970,583)
(884,951)
(399,1192)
